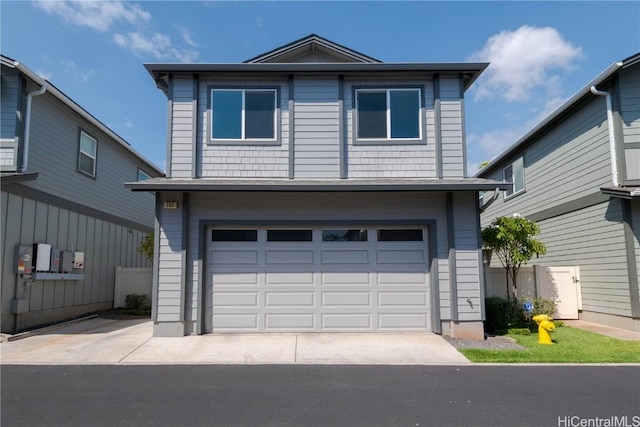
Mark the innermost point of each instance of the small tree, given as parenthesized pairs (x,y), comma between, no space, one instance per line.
(146,246)
(511,239)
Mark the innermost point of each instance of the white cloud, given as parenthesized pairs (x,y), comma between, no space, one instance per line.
(522,61)
(99,15)
(80,76)
(155,45)
(128,123)
(45,75)
(186,36)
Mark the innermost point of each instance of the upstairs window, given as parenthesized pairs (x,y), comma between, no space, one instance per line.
(514,173)
(243,114)
(142,175)
(87,155)
(388,114)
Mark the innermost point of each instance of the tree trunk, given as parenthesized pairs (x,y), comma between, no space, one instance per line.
(506,270)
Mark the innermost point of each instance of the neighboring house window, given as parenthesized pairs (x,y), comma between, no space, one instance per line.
(87,154)
(243,114)
(514,173)
(142,175)
(388,114)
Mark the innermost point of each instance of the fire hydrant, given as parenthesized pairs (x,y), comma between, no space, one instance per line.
(545,327)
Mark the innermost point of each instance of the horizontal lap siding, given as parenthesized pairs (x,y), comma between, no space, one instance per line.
(316,129)
(106,246)
(467,260)
(568,162)
(392,160)
(243,160)
(182,128)
(170,262)
(53,154)
(451,128)
(593,239)
(630,113)
(318,206)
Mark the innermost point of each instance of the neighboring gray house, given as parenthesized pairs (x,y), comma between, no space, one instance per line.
(577,174)
(62,176)
(314,188)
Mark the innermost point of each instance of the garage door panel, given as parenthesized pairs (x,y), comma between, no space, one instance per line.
(402,321)
(346,322)
(401,278)
(289,299)
(234,257)
(395,256)
(248,322)
(235,299)
(288,279)
(223,279)
(345,257)
(288,321)
(351,278)
(346,299)
(289,257)
(402,299)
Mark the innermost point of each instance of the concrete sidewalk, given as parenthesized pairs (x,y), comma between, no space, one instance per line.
(107,341)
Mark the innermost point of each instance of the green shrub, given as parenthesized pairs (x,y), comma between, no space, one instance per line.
(519,331)
(499,314)
(138,302)
(544,306)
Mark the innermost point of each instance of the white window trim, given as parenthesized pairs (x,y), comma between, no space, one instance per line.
(513,178)
(242,120)
(388,101)
(81,152)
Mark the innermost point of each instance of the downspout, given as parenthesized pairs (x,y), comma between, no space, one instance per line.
(27,125)
(612,140)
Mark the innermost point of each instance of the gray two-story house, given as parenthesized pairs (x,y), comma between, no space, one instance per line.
(314,188)
(62,173)
(577,174)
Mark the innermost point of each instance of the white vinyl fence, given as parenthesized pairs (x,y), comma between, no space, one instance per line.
(131,281)
(496,282)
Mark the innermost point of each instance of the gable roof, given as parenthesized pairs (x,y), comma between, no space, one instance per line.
(311,44)
(583,93)
(58,94)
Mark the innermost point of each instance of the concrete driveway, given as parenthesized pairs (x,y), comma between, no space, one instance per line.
(108,341)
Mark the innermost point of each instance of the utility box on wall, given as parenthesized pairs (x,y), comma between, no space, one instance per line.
(66,262)
(24,263)
(42,252)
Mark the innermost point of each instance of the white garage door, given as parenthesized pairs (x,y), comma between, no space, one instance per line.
(317,279)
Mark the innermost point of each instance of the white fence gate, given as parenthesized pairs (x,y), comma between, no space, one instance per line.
(561,284)
(131,281)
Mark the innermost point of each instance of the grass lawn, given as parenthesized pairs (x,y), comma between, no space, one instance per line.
(571,345)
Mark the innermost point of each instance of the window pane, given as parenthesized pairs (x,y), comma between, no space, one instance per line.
(87,144)
(226,121)
(86,164)
(289,236)
(518,174)
(341,235)
(259,115)
(404,235)
(405,113)
(142,175)
(234,235)
(372,114)
(508,177)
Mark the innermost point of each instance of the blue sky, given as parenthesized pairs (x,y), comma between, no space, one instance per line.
(541,53)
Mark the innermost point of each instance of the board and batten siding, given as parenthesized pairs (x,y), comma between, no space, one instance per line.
(182,128)
(566,163)
(106,245)
(451,127)
(316,128)
(286,207)
(593,239)
(242,159)
(629,79)
(170,265)
(635,214)
(466,257)
(394,160)
(53,154)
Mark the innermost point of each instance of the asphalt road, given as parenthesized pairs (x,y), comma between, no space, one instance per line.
(283,395)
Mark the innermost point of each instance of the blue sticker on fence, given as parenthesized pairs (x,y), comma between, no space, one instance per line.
(528,306)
